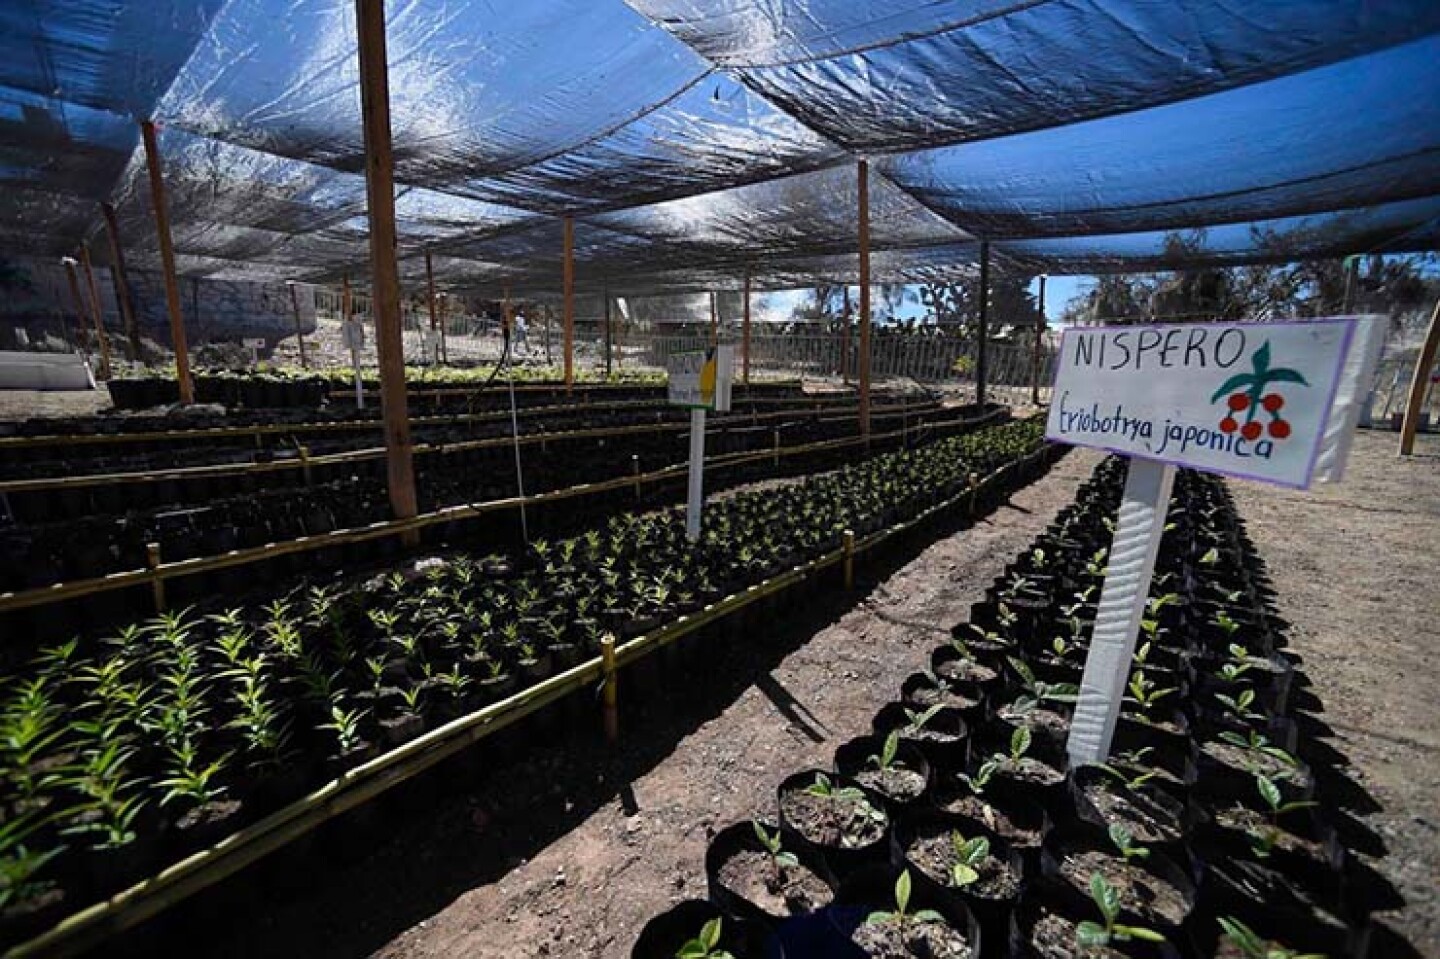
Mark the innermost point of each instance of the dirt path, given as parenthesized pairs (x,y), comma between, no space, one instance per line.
(1357,568)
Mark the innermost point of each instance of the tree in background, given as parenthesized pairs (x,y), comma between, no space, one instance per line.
(1289,284)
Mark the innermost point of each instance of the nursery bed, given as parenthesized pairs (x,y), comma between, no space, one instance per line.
(542,858)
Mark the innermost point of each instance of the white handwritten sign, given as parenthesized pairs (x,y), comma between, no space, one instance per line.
(701,380)
(1244,399)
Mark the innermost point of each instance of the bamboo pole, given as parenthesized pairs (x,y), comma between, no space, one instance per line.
(1424,363)
(609,335)
(847,541)
(167,259)
(1035,356)
(384,269)
(745,333)
(864,364)
(97,312)
(569,294)
(612,691)
(714,321)
(345,300)
(982,338)
(80,310)
(121,281)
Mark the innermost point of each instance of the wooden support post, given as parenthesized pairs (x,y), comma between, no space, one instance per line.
(635,472)
(609,336)
(1419,382)
(745,333)
(345,301)
(982,336)
(714,321)
(79,300)
(864,364)
(121,281)
(775,450)
(384,269)
(97,312)
(848,539)
(612,689)
(845,341)
(157,582)
(167,260)
(305,465)
(1035,354)
(299,332)
(569,291)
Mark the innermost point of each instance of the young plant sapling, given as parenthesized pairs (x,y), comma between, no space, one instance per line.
(902,916)
(706,945)
(969,854)
(1252,946)
(1098,935)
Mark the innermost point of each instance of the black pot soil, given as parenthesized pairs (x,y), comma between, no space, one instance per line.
(664,936)
(846,827)
(922,690)
(1153,816)
(1154,891)
(925,845)
(1265,899)
(872,890)
(746,881)
(944,739)
(1021,822)
(1040,931)
(905,783)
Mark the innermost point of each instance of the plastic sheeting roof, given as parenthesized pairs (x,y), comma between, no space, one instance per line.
(696,141)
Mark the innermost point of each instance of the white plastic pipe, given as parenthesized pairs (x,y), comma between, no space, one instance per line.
(1138,530)
(697,475)
(359,385)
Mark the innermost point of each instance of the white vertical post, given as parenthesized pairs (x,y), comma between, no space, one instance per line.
(697,474)
(359,384)
(1138,530)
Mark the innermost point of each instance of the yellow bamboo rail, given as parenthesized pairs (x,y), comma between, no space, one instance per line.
(129,907)
(158,573)
(372,453)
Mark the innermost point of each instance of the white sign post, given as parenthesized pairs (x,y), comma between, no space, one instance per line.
(700,381)
(255,344)
(352,333)
(1251,400)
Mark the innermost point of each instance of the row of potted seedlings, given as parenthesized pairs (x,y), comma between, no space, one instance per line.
(121,755)
(959,829)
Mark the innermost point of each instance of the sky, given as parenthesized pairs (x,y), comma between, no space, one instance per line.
(1059,291)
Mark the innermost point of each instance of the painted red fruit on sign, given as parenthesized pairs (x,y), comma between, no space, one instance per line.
(1273,401)
(1238,401)
(1228,425)
(1251,431)
(1279,429)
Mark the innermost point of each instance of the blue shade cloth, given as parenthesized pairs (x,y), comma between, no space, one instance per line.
(1272,149)
(699,141)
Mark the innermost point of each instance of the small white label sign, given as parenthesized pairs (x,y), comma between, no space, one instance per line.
(254,342)
(701,380)
(1244,399)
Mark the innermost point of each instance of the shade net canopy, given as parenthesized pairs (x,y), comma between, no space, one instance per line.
(698,143)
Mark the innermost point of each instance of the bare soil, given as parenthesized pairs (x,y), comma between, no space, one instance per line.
(934,853)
